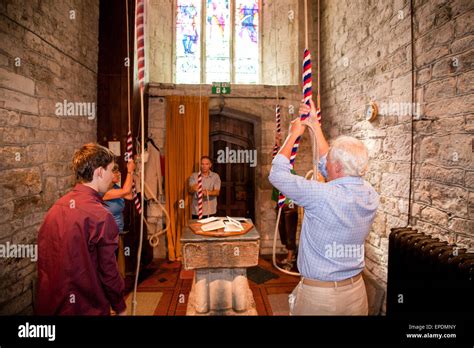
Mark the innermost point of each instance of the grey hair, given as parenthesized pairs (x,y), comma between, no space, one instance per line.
(351,153)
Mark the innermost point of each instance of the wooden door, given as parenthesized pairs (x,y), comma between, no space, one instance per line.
(237,194)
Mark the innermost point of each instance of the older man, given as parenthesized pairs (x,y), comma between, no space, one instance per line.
(338,216)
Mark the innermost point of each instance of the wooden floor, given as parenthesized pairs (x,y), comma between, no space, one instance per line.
(175,284)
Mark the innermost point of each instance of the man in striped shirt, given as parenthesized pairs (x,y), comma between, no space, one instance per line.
(338,216)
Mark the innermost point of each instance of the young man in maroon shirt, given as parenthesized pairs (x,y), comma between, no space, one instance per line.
(77,267)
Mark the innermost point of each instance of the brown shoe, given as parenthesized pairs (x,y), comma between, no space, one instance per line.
(288,266)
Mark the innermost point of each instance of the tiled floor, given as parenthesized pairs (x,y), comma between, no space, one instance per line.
(175,284)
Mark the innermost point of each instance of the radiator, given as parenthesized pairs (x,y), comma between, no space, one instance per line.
(427,275)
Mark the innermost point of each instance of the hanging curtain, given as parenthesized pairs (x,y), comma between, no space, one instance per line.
(183,134)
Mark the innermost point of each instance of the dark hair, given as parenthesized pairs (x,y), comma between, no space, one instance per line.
(206,157)
(88,158)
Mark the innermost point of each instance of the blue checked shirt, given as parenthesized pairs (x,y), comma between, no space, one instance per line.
(337,219)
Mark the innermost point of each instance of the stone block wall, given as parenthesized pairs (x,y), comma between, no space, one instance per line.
(280,42)
(46,57)
(444,167)
(160,34)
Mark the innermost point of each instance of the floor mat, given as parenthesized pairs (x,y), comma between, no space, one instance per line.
(259,275)
(279,304)
(146,303)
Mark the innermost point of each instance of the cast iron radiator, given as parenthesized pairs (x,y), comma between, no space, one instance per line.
(427,275)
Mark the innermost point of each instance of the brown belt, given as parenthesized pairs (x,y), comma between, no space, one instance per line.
(323,284)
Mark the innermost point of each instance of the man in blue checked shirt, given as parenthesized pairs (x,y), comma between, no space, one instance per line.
(338,216)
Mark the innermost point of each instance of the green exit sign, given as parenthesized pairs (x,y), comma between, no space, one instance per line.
(220,88)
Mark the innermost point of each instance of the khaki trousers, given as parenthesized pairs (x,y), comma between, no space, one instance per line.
(342,300)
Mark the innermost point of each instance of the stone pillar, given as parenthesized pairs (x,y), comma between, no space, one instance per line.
(239,290)
(201,286)
(220,289)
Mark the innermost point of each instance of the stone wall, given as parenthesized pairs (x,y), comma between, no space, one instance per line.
(160,34)
(280,42)
(366,55)
(46,57)
(444,167)
(262,110)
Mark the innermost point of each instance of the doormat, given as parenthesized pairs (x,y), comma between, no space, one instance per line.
(146,302)
(259,275)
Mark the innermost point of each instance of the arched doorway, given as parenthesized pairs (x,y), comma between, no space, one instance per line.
(232,148)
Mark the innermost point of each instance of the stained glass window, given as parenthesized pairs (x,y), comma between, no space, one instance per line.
(219,29)
(217,41)
(188,48)
(246,41)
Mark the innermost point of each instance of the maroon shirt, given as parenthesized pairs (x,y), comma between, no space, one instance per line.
(77,267)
